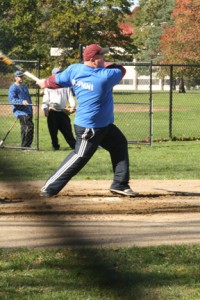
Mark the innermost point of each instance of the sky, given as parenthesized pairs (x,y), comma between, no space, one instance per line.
(135,4)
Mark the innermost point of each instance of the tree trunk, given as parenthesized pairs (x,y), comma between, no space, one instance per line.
(181,86)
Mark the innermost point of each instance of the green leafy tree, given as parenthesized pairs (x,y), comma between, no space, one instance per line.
(68,24)
(29,28)
(5,31)
(148,21)
(18,28)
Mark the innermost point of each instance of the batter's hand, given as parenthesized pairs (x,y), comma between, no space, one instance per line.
(25,102)
(109,65)
(41,83)
(69,110)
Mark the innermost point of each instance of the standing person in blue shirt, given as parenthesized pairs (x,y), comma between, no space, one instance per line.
(92,83)
(20,99)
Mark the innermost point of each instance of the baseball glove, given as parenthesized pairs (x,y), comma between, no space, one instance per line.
(69,110)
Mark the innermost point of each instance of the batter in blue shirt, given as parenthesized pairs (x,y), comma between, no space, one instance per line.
(92,83)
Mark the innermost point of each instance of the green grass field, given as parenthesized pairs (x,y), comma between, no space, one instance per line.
(132,115)
(165,160)
(135,120)
(152,273)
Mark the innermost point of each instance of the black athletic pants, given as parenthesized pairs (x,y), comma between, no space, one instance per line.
(87,142)
(27,130)
(60,121)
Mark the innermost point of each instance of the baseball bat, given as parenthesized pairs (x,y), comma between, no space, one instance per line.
(6,60)
(11,127)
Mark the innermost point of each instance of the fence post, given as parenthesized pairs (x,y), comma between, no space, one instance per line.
(151,106)
(170,102)
(80,53)
(38,104)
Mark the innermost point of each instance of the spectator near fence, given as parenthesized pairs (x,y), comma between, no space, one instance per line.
(20,99)
(55,108)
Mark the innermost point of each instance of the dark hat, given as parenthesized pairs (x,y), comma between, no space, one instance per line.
(18,74)
(92,50)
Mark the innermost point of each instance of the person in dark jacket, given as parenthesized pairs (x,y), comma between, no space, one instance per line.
(19,97)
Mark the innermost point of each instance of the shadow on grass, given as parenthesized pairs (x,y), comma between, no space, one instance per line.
(9,165)
(137,274)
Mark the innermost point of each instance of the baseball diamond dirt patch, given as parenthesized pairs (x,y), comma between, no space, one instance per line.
(161,204)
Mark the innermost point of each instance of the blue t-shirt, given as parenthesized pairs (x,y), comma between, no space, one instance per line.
(93,90)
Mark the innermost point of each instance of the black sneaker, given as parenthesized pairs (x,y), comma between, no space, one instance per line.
(127,192)
(55,149)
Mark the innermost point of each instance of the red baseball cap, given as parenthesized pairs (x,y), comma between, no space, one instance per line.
(92,50)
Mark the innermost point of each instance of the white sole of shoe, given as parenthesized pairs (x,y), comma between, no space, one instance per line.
(124,193)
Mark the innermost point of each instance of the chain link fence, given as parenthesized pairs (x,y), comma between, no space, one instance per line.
(158,102)
(152,103)
(176,102)
(10,129)
(133,103)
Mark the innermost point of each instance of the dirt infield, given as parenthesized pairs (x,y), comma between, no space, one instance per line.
(91,201)
(154,196)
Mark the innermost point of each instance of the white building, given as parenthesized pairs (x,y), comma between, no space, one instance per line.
(133,81)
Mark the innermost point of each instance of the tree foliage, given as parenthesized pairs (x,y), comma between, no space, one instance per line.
(29,28)
(148,21)
(180,42)
(18,28)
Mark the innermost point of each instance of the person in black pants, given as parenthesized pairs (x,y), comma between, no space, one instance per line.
(55,108)
(20,99)
(92,83)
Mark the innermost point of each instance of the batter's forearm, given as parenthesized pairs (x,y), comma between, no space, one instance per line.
(50,83)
